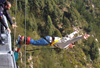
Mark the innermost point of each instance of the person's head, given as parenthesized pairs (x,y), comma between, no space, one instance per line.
(7,5)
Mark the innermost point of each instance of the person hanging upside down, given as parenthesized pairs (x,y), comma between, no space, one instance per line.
(59,42)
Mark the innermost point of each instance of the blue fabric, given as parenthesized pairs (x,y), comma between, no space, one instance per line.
(1,14)
(19,46)
(16,55)
(40,42)
(2,1)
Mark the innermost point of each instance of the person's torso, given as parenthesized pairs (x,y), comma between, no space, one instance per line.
(2,9)
(62,40)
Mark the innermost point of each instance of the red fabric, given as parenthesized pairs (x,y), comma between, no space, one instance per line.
(28,40)
(18,50)
(21,40)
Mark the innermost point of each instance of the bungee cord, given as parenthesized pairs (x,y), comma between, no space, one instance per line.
(25,33)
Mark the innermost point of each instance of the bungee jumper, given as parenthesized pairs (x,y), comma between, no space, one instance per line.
(47,41)
(63,42)
(57,42)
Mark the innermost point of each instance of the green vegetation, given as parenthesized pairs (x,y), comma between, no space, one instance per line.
(58,18)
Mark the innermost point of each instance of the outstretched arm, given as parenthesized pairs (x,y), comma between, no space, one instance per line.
(84,36)
(78,38)
(67,43)
(9,19)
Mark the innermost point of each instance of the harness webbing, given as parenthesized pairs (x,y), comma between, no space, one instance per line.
(47,41)
(55,41)
(52,44)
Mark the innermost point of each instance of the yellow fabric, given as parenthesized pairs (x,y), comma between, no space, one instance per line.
(54,42)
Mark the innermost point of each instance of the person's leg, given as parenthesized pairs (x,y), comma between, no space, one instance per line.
(28,40)
(22,40)
(40,42)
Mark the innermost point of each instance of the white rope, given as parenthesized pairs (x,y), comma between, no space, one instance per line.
(25,33)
